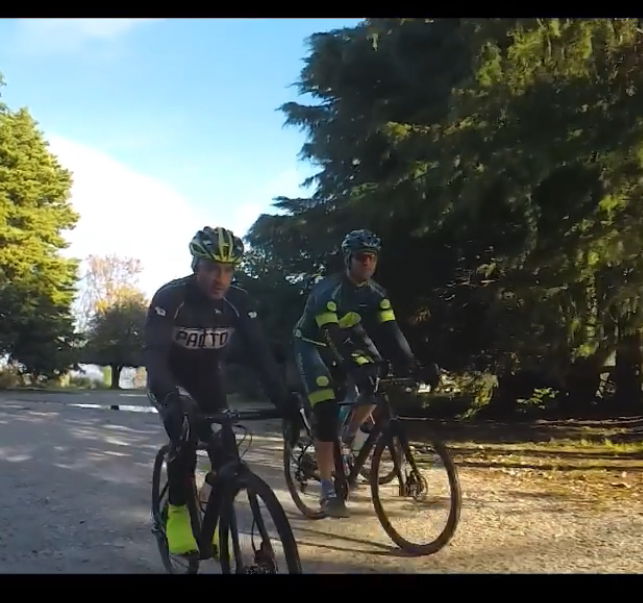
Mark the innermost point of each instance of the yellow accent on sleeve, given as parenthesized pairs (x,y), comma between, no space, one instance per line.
(385,304)
(386,316)
(326,318)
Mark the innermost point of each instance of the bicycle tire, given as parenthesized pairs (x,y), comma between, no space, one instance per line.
(365,472)
(309,512)
(159,517)
(340,475)
(455,498)
(252,482)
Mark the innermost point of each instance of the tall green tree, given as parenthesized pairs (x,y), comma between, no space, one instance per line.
(36,283)
(115,337)
(500,159)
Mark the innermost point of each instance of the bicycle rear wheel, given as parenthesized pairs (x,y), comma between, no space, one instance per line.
(277,551)
(174,564)
(302,476)
(419,508)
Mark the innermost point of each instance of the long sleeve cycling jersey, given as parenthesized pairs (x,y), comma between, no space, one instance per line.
(338,311)
(187,335)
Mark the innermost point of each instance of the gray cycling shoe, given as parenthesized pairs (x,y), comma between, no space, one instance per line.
(334,506)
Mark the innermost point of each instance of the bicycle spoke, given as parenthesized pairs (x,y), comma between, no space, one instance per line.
(302,477)
(419,507)
(258,521)
(258,516)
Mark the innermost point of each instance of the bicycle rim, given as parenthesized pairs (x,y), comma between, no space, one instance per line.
(302,477)
(257,530)
(174,564)
(419,508)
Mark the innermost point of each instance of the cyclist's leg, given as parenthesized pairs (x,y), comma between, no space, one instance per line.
(366,400)
(180,467)
(316,378)
(180,457)
(211,397)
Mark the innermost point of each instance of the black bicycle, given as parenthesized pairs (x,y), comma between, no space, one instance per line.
(411,485)
(228,477)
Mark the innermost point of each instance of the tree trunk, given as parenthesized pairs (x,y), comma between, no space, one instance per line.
(627,375)
(581,382)
(116,375)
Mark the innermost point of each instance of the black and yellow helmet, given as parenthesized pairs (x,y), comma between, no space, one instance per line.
(217,245)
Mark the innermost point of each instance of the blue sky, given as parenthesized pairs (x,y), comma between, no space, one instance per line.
(173,122)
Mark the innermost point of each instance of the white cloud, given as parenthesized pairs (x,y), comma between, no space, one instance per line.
(127,213)
(38,36)
(130,214)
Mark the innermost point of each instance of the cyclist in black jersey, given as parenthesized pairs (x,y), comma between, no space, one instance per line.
(190,323)
(342,313)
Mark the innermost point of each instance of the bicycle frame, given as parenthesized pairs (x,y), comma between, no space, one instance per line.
(388,422)
(228,470)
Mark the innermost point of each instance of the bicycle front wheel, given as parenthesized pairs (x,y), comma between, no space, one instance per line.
(174,564)
(255,536)
(302,477)
(419,507)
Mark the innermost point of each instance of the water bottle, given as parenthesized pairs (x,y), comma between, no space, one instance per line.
(343,413)
(358,440)
(346,455)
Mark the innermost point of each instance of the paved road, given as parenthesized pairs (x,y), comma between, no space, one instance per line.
(76,488)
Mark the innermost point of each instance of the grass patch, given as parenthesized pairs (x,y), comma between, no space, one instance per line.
(604,445)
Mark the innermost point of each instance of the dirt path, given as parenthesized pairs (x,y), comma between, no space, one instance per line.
(76,481)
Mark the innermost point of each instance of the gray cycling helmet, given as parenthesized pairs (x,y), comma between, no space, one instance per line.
(360,240)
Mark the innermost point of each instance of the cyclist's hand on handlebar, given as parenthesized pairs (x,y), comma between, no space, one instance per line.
(428,373)
(175,418)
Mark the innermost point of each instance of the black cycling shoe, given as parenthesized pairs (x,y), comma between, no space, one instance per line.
(334,507)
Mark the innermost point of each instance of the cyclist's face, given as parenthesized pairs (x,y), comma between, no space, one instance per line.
(363,265)
(213,278)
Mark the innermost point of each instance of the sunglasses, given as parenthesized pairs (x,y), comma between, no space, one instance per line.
(362,256)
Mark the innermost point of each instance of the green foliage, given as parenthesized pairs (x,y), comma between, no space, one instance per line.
(280,300)
(115,337)
(479,386)
(36,283)
(500,161)
(542,401)
(9,377)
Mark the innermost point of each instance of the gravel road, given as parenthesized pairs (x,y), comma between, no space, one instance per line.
(76,488)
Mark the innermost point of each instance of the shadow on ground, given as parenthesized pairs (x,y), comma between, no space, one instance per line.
(77,485)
